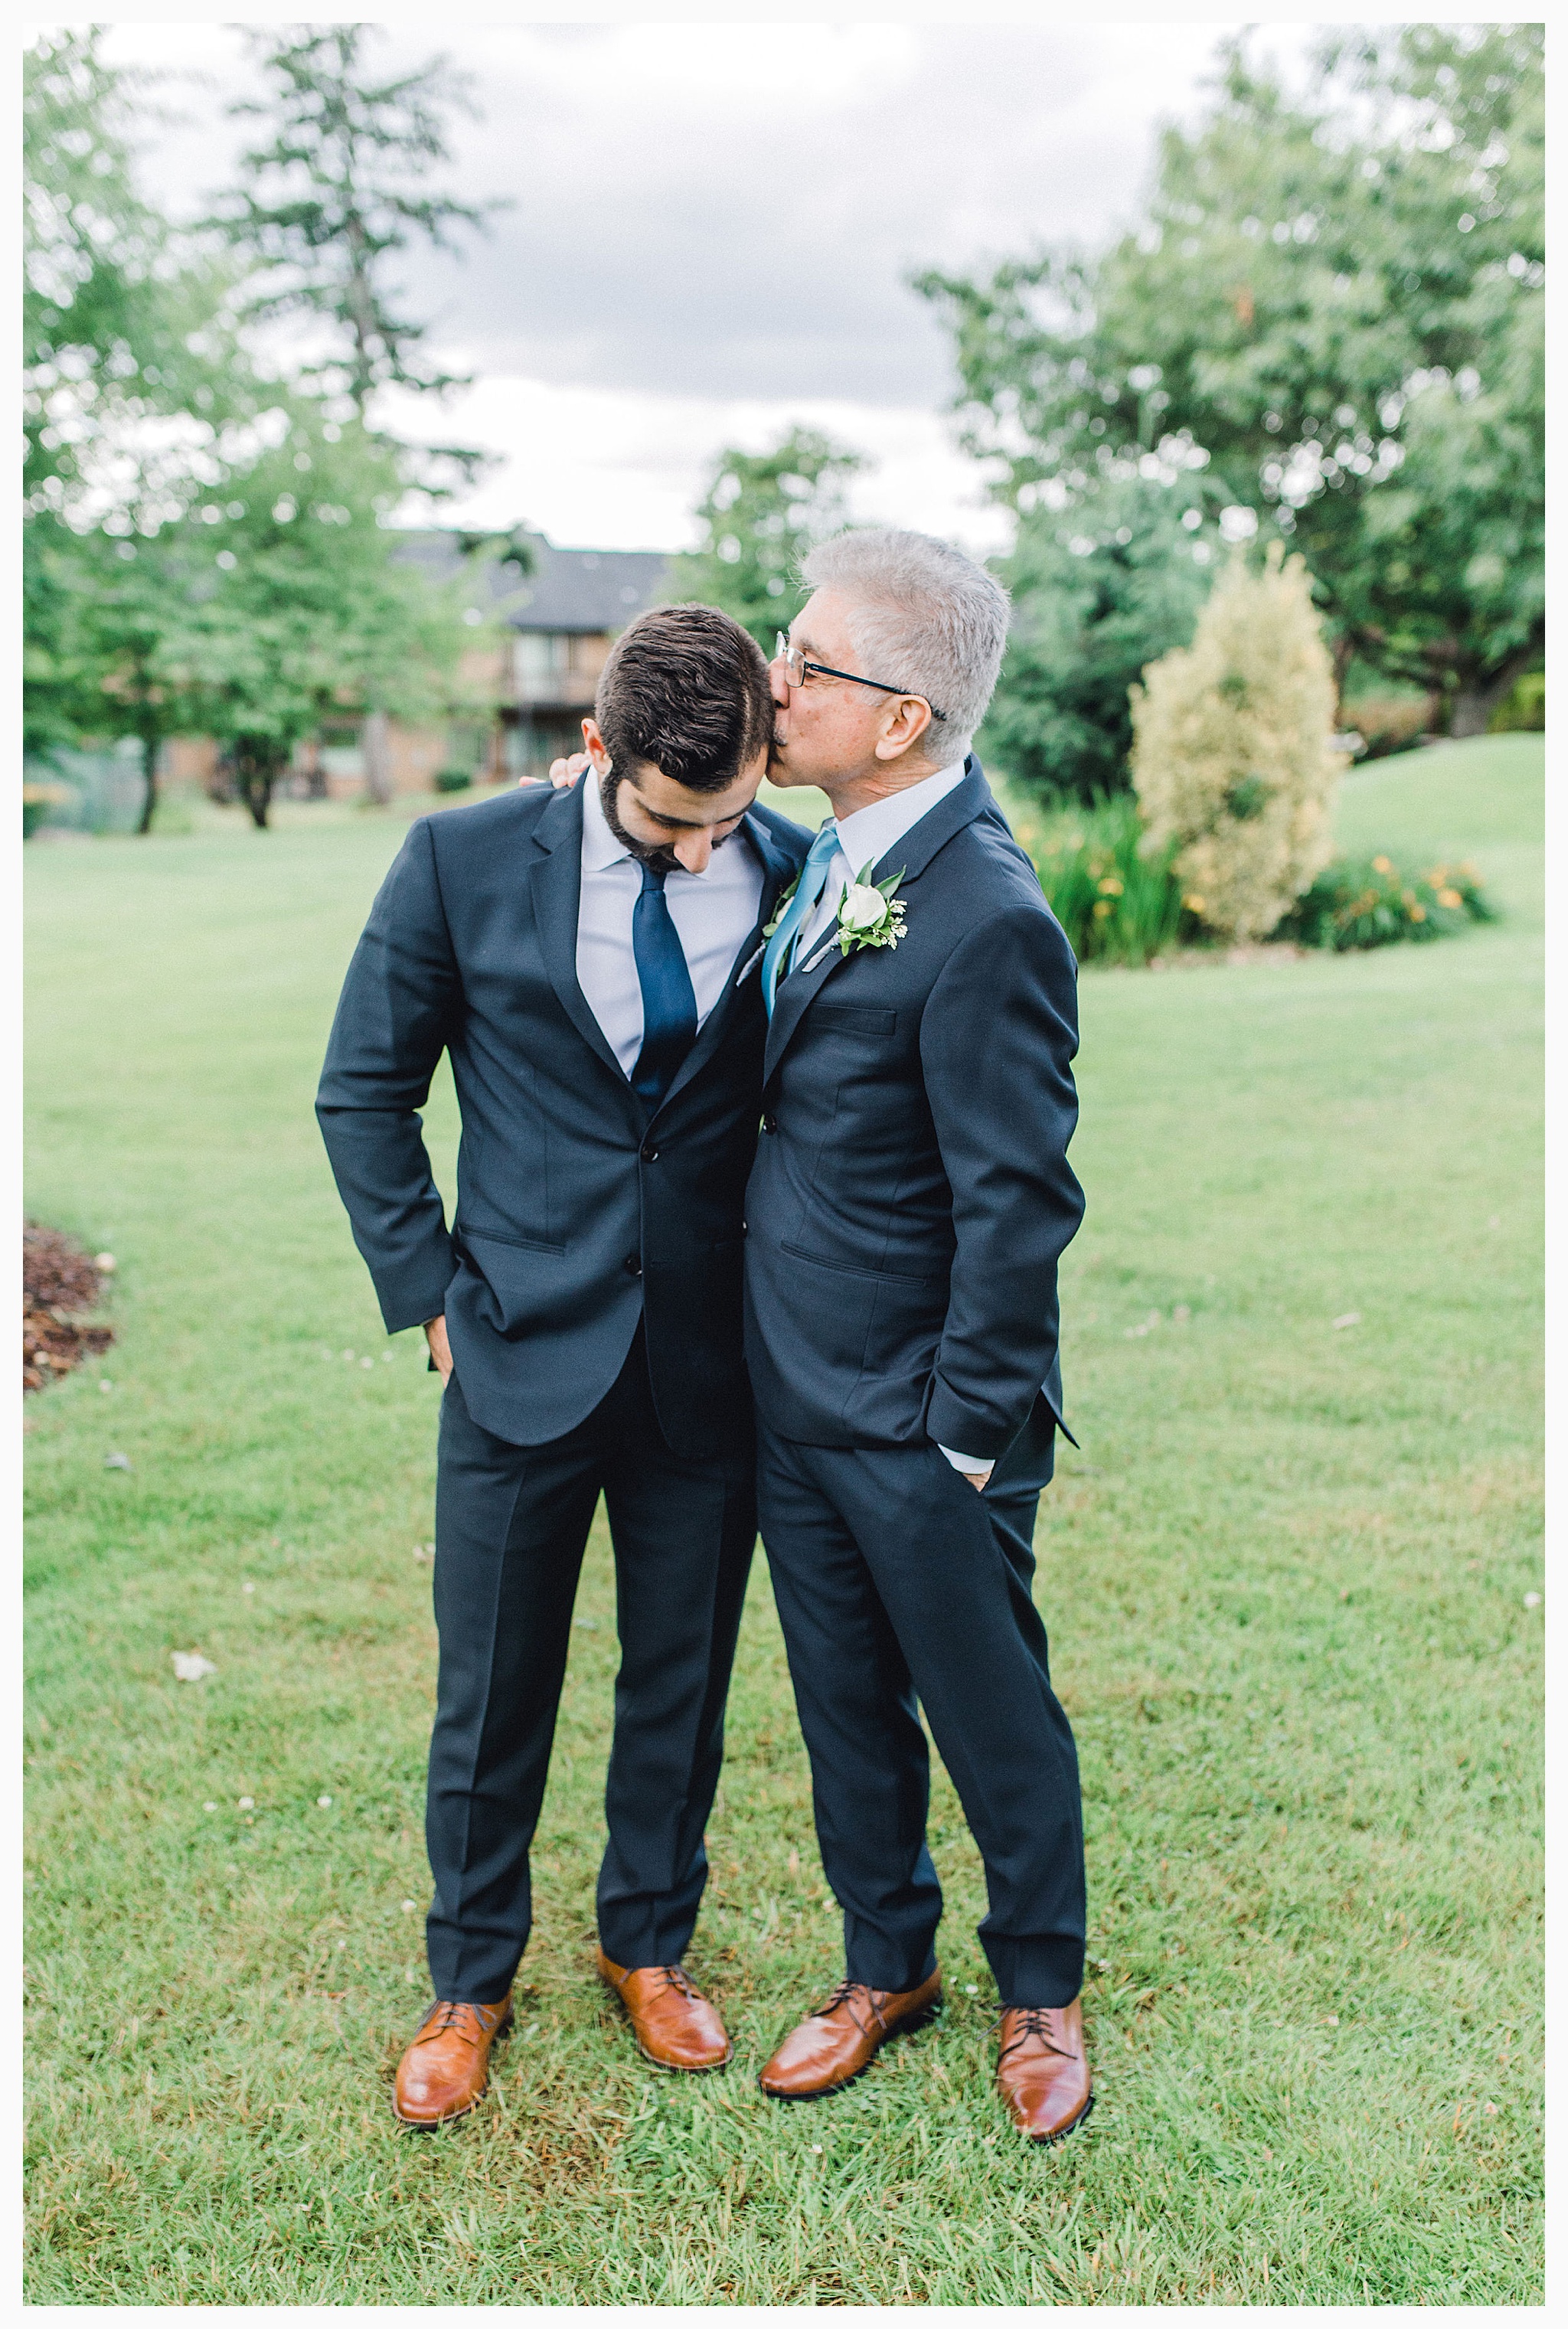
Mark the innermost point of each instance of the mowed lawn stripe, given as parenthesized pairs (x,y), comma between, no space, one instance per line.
(1286,1578)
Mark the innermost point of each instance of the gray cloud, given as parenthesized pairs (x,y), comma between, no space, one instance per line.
(732,211)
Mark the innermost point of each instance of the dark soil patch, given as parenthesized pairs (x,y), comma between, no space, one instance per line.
(61,1285)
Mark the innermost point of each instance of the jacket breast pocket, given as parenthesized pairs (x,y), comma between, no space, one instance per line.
(853,1019)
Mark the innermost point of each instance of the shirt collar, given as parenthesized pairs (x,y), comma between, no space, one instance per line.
(600,849)
(866,835)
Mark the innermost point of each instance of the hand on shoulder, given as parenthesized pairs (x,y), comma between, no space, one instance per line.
(563,774)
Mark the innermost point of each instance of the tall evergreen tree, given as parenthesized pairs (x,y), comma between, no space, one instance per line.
(336,187)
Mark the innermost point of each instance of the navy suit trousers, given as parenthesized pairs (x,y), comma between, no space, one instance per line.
(898,1587)
(511,1526)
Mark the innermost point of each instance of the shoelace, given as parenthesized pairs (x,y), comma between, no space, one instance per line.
(1032,2023)
(846,1994)
(450,2011)
(679,1979)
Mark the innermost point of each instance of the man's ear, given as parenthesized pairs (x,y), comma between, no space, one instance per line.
(594,739)
(905,723)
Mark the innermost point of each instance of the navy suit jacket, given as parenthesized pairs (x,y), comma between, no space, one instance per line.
(577,1210)
(912,1194)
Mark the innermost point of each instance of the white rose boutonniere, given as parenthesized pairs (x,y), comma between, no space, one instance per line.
(869,913)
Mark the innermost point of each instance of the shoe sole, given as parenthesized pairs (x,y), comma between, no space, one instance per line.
(676,2070)
(1061,2132)
(429,2126)
(906,2028)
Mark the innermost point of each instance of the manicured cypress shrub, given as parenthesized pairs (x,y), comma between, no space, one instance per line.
(1234,759)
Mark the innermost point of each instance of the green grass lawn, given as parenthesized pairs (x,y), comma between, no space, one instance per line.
(1286,1580)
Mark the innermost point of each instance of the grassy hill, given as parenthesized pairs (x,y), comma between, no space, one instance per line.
(1288,1579)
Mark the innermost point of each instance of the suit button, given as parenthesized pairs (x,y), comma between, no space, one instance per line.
(633,1265)
(770,1123)
(650,1154)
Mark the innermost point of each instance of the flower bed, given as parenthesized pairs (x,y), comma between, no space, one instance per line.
(61,1284)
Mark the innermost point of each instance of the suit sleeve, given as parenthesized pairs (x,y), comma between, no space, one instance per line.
(389,1033)
(997,1039)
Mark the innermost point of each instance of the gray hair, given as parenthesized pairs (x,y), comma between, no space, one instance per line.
(924,617)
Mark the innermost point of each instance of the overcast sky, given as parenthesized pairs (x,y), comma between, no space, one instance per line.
(710,228)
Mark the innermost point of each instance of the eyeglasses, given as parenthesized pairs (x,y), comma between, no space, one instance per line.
(796,667)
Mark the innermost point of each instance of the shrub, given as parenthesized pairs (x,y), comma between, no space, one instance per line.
(1388,724)
(1115,904)
(1369,902)
(454,781)
(1523,707)
(37,800)
(1233,760)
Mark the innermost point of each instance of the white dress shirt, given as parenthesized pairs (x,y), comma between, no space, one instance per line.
(714,913)
(866,837)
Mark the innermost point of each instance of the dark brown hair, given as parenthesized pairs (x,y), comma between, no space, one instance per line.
(687,688)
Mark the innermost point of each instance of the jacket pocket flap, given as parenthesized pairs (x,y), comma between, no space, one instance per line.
(854,1018)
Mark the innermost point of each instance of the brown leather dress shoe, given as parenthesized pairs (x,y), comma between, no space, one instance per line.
(1042,2071)
(836,2041)
(672,2023)
(443,2073)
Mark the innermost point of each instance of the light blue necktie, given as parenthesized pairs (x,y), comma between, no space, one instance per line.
(798,912)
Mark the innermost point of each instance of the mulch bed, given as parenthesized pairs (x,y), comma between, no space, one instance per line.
(61,1285)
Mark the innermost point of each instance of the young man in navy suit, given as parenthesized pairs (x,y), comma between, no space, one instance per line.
(589,961)
(909,1204)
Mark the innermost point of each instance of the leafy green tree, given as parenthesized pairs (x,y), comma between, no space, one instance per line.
(115,668)
(129,374)
(306,606)
(205,548)
(1099,588)
(1338,301)
(759,515)
(124,323)
(336,188)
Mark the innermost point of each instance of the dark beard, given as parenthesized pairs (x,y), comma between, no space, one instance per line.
(647,853)
(657,853)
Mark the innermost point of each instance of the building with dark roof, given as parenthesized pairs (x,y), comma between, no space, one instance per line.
(523,702)
(563,617)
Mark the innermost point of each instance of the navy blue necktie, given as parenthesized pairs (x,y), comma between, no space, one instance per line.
(669,1006)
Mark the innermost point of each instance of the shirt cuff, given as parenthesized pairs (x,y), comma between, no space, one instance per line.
(966,1463)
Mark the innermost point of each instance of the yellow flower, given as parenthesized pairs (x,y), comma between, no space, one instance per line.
(1382,865)
(1418,913)
(1111,886)
(1195,904)
(1449,898)
(1102,907)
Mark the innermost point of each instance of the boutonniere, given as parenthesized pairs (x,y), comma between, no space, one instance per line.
(781,907)
(869,914)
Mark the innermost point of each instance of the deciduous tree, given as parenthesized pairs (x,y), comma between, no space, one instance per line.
(1099,588)
(1338,299)
(305,608)
(760,514)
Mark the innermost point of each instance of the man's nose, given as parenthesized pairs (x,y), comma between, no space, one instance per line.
(694,850)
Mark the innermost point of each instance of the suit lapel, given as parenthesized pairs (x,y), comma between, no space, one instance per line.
(796,994)
(917,848)
(777,870)
(556,886)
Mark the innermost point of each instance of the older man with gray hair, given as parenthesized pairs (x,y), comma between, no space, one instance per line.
(910,1199)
